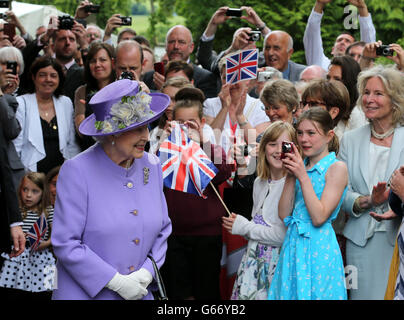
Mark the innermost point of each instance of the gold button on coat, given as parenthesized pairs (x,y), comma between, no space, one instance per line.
(136,241)
(129,185)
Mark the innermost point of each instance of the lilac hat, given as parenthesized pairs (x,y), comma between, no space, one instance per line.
(120,107)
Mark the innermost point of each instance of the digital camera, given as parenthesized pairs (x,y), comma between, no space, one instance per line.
(384,50)
(286,148)
(264,76)
(4,4)
(254,36)
(126,21)
(244,150)
(126,75)
(94,8)
(66,22)
(234,12)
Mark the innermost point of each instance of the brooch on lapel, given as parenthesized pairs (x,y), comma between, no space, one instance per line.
(146,172)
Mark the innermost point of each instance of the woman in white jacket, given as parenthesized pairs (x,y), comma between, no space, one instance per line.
(266,231)
(47,137)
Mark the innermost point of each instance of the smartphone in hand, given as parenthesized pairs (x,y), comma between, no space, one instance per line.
(159,67)
(9,30)
(13,66)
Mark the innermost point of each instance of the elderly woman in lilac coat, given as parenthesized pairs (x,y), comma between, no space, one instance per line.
(110,210)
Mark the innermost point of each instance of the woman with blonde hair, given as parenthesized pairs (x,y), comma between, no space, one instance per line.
(372,153)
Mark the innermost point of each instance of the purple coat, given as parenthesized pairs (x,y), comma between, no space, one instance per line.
(106,220)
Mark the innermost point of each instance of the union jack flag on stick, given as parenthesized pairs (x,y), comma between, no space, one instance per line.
(242,66)
(185,166)
(37,232)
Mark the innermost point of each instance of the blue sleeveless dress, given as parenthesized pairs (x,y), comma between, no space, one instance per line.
(310,264)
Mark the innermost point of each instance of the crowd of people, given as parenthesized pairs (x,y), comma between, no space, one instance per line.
(314,154)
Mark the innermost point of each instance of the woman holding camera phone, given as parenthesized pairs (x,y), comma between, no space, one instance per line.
(11,59)
(99,71)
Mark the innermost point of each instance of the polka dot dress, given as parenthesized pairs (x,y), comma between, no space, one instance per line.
(30,271)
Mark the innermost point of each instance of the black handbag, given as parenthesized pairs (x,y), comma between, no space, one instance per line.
(160,294)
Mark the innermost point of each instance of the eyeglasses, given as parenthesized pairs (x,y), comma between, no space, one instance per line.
(311,104)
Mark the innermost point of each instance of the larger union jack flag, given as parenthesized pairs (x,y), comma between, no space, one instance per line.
(242,66)
(186,167)
(37,232)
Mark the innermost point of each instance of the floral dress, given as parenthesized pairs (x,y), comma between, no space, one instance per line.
(32,270)
(265,234)
(256,269)
(310,264)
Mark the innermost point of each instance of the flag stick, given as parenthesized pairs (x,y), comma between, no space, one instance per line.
(220,198)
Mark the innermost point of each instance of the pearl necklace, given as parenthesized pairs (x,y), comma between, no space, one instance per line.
(381,136)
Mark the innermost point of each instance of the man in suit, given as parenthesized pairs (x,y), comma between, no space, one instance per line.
(11,128)
(278,48)
(179,46)
(9,210)
(65,47)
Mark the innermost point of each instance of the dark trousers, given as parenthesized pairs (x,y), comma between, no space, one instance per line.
(192,267)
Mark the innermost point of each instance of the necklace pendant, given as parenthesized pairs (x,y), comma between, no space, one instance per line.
(146,172)
(54,127)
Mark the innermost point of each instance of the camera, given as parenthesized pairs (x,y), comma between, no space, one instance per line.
(254,36)
(286,148)
(244,150)
(126,21)
(384,50)
(234,12)
(264,76)
(126,75)
(13,66)
(66,22)
(4,4)
(94,8)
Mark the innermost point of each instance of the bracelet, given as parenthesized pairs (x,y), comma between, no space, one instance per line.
(243,123)
(262,27)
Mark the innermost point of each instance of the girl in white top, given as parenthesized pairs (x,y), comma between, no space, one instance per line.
(266,231)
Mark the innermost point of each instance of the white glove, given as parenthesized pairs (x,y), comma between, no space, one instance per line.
(132,286)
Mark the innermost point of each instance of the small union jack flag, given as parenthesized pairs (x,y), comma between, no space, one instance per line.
(242,66)
(185,166)
(37,232)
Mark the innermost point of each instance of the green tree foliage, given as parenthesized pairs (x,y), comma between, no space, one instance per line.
(108,7)
(291,16)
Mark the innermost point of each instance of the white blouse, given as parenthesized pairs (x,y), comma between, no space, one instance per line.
(378,160)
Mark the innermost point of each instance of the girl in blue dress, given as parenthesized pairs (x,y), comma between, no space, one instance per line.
(310,265)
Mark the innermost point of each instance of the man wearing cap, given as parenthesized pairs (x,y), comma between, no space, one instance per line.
(111,213)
